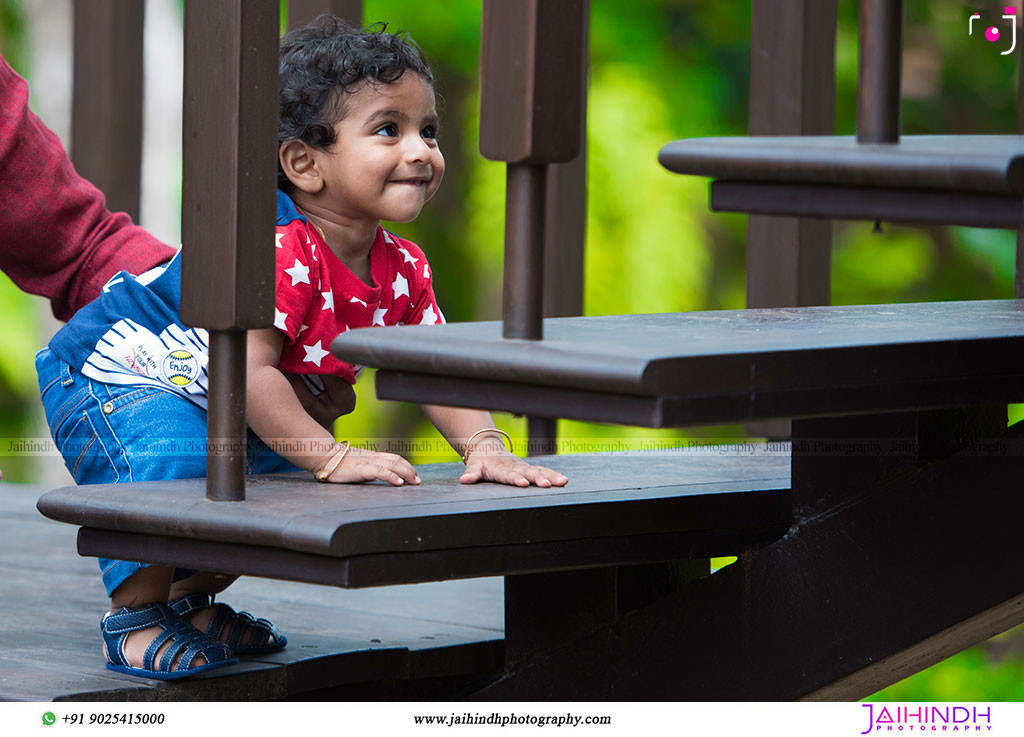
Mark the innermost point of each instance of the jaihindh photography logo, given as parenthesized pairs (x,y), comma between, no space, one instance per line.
(888,718)
(992,33)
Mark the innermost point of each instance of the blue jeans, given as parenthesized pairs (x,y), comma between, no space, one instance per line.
(113,434)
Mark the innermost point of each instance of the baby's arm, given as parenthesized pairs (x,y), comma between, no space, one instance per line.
(274,412)
(487,458)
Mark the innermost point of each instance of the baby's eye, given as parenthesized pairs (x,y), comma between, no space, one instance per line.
(429,132)
(387,130)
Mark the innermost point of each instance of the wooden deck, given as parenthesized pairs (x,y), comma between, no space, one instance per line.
(390,642)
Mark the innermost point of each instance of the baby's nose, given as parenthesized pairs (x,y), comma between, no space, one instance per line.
(417,149)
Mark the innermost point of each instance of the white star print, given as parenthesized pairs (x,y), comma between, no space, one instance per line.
(401,286)
(298,273)
(378,316)
(355,300)
(409,258)
(278,237)
(426,271)
(304,327)
(429,316)
(388,238)
(279,318)
(315,353)
(328,300)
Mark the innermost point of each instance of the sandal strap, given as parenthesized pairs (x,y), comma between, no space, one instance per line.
(186,641)
(127,620)
(188,604)
(168,657)
(223,616)
(262,630)
(115,627)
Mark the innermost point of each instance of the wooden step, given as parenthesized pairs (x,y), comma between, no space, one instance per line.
(993,164)
(710,367)
(963,180)
(617,509)
(401,642)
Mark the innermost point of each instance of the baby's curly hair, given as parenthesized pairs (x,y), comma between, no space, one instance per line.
(325,60)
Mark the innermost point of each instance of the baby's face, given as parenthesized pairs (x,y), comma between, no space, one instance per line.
(385,163)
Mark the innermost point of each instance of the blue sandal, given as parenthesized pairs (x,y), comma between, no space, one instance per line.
(265,637)
(186,641)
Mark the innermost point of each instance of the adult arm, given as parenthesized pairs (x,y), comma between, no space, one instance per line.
(57,238)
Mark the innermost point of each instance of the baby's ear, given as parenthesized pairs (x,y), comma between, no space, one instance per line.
(299,165)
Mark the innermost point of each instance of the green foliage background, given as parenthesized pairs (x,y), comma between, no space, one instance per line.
(661,70)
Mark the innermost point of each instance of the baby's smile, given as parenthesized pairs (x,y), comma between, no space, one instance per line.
(416,181)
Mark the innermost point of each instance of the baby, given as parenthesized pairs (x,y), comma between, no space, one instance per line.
(357,145)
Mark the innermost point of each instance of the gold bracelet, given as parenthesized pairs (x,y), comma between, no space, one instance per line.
(465,455)
(337,458)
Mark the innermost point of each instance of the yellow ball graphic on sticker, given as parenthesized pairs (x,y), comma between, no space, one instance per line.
(180,367)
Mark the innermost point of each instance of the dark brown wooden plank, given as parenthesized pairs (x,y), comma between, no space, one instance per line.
(106,109)
(719,353)
(533,400)
(530,69)
(229,155)
(421,566)
(609,496)
(993,164)
(692,409)
(869,203)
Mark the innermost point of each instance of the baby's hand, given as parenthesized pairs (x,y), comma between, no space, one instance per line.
(489,461)
(361,465)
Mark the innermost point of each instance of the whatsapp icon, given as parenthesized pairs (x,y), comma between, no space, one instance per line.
(49,719)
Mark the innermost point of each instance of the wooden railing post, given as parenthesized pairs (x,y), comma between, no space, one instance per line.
(533,79)
(228,206)
(531,67)
(106,109)
(878,75)
(565,223)
(792,93)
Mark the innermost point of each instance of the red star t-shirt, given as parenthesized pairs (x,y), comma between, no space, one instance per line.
(318,297)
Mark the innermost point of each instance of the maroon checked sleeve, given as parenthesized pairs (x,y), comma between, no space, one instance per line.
(57,237)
